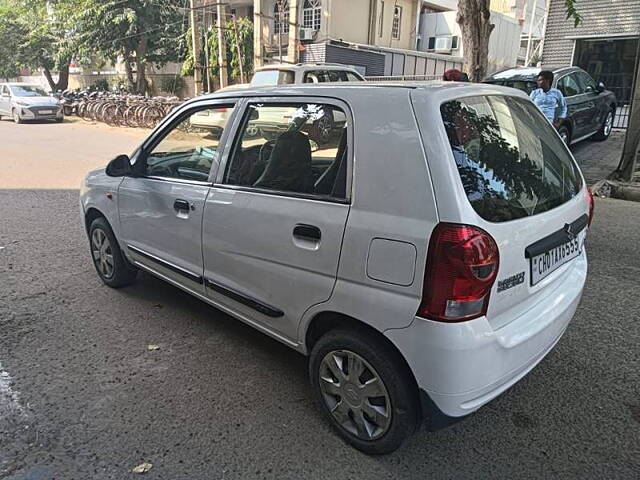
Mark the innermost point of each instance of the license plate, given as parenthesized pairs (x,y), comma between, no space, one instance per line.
(546,263)
(46,112)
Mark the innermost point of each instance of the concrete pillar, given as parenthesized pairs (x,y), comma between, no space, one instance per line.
(195,44)
(221,11)
(260,32)
(292,48)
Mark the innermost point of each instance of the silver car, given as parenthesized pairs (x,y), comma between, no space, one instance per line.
(425,257)
(28,102)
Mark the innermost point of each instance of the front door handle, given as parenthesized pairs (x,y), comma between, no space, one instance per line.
(307,232)
(182,205)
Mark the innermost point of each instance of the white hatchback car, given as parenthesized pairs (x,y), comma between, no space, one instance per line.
(426,257)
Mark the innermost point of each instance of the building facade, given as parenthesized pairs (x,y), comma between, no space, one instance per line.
(440,33)
(605,44)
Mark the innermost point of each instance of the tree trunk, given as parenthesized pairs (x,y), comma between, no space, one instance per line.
(63,79)
(631,152)
(141,64)
(47,74)
(475,24)
(129,70)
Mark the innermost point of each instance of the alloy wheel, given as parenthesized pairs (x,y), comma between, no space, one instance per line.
(355,394)
(102,253)
(16,117)
(324,128)
(608,124)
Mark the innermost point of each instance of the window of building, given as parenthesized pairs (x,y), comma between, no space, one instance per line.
(397,19)
(281,16)
(431,45)
(381,19)
(454,42)
(312,14)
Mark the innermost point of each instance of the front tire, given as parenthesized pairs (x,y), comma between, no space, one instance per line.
(16,117)
(607,126)
(365,389)
(113,269)
(565,134)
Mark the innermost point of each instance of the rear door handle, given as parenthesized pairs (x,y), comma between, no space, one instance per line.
(181,205)
(307,232)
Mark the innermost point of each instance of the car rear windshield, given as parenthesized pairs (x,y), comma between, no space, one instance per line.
(511,162)
(272,77)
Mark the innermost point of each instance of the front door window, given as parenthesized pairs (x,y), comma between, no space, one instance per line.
(189,150)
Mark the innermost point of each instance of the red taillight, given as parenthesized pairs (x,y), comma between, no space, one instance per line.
(591,205)
(462,265)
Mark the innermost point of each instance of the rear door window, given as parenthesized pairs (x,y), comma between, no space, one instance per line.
(511,162)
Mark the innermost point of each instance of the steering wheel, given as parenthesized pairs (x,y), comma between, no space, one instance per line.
(161,171)
(266,146)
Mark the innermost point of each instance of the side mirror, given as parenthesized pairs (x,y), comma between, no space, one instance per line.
(119,166)
(600,88)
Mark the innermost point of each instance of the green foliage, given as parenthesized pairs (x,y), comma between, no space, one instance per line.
(102,84)
(172,84)
(245,37)
(572,12)
(37,34)
(10,32)
(139,32)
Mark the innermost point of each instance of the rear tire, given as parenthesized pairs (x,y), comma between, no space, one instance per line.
(373,410)
(607,126)
(112,267)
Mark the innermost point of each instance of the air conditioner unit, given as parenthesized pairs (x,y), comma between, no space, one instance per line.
(306,34)
(443,44)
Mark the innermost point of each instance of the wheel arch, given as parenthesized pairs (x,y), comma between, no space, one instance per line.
(90,215)
(325,321)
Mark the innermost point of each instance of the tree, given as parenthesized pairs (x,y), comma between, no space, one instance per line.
(37,36)
(474,18)
(245,39)
(10,32)
(136,32)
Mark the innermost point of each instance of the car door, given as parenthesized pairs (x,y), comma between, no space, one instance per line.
(274,220)
(577,104)
(161,206)
(5,100)
(597,108)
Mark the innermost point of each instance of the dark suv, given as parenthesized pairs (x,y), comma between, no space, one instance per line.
(591,106)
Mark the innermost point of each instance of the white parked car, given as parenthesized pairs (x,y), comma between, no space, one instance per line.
(286,74)
(425,258)
(22,102)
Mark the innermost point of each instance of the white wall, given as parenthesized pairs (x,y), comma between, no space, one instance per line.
(504,42)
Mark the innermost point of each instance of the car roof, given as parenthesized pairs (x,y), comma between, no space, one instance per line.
(527,73)
(437,89)
(304,66)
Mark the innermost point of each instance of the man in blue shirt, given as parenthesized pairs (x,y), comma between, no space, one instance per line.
(549,100)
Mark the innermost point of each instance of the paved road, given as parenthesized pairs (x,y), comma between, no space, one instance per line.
(58,155)
(82,397)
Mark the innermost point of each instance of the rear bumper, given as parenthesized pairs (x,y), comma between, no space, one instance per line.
(462,366)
